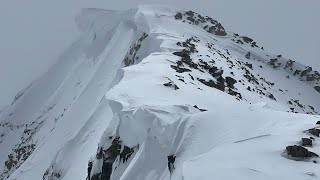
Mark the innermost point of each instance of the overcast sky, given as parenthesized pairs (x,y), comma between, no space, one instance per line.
(33,33)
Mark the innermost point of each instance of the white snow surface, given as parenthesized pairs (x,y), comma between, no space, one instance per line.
(117,83)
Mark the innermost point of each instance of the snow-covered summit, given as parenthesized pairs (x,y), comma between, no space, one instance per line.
(159,93)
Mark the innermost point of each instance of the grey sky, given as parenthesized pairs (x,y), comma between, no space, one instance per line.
(33,33)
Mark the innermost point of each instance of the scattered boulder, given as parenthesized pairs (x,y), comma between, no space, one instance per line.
(318,122)
(306,142)
(178,16)
(299,153)
(247,39)
(274,63)
(248,55)
(249,65)
(317,88)
(172,85)
(190,13)
(271,96)
(230,82)
(314,131)
(191,19)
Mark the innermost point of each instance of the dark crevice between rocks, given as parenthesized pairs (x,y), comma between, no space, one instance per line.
(89,169)
(116,150)
(171,160)
(131,56)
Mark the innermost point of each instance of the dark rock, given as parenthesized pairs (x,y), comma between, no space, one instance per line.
(180,79)
(317,88)
(254,44)
(234,93)
(239,41)
(306,142)
(318,122)
(274,63)
(202,110)
(99,155)
(190,13)
(89,170)
(178,16)
(248,55)
(271,96)
(183,54)
(230,82)
(191,19)
(217,30)
(249,65)
(289,64)
(296,72)
(179,69)
(126,153)
(116,150)
(211,83)
(171,160)
(300,152)
(314,131)
(310,77)
(172,85)
(247,39)
(191,77)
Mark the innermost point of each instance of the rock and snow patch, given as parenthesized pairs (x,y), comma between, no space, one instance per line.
(156,93)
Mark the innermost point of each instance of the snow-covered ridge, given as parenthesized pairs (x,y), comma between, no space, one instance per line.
(161,93)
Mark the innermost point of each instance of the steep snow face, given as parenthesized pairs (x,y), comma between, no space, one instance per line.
(157,93)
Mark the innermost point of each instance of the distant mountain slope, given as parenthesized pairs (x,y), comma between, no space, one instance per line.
(157,93)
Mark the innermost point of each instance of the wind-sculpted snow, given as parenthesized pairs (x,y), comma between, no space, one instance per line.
(157,93)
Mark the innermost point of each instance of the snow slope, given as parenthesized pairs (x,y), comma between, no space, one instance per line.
(158,93)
